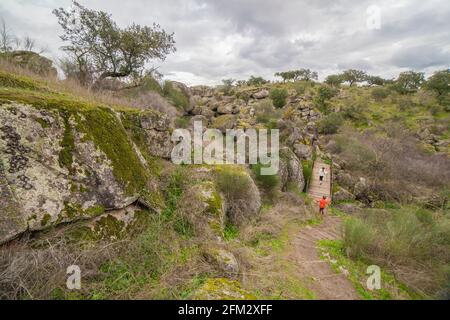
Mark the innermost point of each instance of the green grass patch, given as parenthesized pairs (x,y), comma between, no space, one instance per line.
(390,287)
(230,232)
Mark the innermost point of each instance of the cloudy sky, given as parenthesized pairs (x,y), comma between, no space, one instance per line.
(219,39)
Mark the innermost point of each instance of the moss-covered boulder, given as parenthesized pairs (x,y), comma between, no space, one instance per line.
(224,122)
(223,259)
(64,159)
(31,61)
(114,225)
(204,204)
(222,289)
(242,196)
(291,170)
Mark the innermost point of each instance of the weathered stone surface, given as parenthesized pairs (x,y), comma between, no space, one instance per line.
(343,195)
(223,259)
(226,109)
(204,206)
(202,91)
(303,151)
(360,187)
(113,225)
(204,111)
(204,120)
(350,208)
(59,167)
(181,87)
(224,122)
(262,94)
(31,61)
(221,289)
(291,170)
(11,221)
(345,179)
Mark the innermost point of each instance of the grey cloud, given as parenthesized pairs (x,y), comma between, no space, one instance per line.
(236,38)
(421,57)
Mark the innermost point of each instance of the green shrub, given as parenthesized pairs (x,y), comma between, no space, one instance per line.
(405,103)
(324,94)
(358,238)
(330,123)
(279,97)
(180,100)
(408,240)
(307,170)
(266,114)
(379,94)
(269,182)
(239,192)
(299,87)
(151,84)
(230,231)
(182,122)
(233,183)
(355,113)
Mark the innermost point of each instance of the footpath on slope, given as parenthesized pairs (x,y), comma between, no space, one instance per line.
(315,272)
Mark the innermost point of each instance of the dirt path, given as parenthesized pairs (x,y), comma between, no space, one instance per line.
(318,275)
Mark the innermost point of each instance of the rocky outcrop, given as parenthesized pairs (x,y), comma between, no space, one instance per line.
(31,61)
(262,94)
(433,140)
(224,260)
(303,151)
(343,195)
(60,164)
(151,130)
(242,199)
(291,170)
(184,90)
(224,122)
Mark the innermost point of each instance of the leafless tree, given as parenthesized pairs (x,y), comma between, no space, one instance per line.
(6,38)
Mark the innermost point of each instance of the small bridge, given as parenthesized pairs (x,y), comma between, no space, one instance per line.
(316,190)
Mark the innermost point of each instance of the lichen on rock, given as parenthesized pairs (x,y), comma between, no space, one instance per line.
(65,160)
(222,289)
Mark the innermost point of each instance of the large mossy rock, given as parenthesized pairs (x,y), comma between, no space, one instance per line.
(291,170)
(223,259)
(224,122)
(203,204)
(241,194)
(63,160)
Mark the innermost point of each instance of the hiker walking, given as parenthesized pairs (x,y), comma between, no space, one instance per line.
(322,173)
(323,204)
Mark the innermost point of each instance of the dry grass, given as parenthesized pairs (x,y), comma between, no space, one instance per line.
(263,248)
(396,167)
(146,100)
(410,242)
(33,273)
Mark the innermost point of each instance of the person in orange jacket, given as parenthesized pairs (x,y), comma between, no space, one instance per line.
(323,204)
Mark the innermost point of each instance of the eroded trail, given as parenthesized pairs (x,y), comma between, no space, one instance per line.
(317,274)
